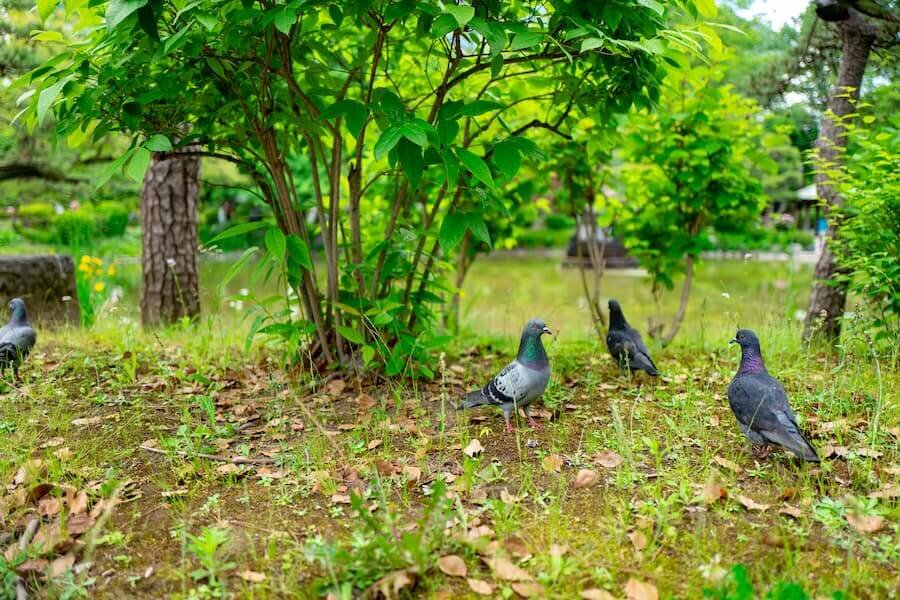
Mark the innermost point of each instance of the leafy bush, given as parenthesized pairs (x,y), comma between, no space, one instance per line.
(35,213)
(111,218)
(762,238)
(558,222)
(75,228)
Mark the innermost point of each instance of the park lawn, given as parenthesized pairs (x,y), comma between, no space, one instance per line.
(673,498)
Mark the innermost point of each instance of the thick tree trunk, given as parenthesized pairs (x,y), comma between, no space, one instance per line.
(170,287)
(826,305)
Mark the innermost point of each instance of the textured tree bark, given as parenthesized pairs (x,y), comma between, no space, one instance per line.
(829,295)
(170,286)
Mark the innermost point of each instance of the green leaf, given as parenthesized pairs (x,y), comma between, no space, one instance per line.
(348,333)
(353,111)
(707,8)
(411,161)
(447,130)
(453,228)
(237,266)
(478,107)
(506,157)
(46,98)
(284,20)
(443,25)
(113,168)
(158,143)
(147,21)
(463,13)
(138,165)
(45,8)
(451,166)
(387,141)
(591,43)
(475,223)
(276,243)
(415,132)
(526,39)
(239,229)
(48,36)
(298,252)
(659,9)
(496,64)
(476,165)
(119,10)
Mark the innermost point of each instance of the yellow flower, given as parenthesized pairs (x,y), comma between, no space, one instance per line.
(97,261)
(586,123)
(98,287)
(111,271)
(98,272)
(84,268)
(85,258)
(462,295)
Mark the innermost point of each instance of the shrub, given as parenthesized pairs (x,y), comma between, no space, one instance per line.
(75,228)
(560,222)
(111,218)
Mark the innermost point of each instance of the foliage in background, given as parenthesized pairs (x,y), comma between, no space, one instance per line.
(94,283)
(689,174)
(393,157)
(868,246)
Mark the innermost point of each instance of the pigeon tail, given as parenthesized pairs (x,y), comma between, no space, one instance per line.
(795,442)
(472,400)
(8,354)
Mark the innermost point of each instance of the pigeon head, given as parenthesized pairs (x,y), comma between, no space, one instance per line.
(531,349)
(17,310)
(616,316)
(751,355)
(536,327)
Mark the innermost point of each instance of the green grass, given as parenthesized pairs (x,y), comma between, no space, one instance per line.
(206,527)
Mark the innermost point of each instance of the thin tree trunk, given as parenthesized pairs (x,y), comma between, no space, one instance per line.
(682,306)
(170,286)
(829,293)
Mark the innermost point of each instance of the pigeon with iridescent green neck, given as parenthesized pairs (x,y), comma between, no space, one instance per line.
(760,403)
(521,382)
(17,338)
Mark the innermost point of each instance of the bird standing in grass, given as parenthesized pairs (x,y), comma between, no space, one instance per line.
(17,338)
(625,343)
(760,403)
(522,381)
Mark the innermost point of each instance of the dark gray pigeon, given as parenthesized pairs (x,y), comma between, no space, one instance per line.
(17,338)
(760,403)
(522,381)
(625,343)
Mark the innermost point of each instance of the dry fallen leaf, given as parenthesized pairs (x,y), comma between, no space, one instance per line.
(609,459)
(886,492)
(252,576)
(751,504)
(552,463)
(506,570)
(638,540)
(49,506)
(516,546)
(865,523)
(453,566)
(374,444)
(411,473)
(336,386)
(508,498)
(640,590)
(596,594)
(365,402)
(87,421)
(480,587)
(78,503)
(62,564)
(78,524)
(528,589)
(53,442)
(790,511)
(391,584)
(585,478)
(474,448)
(730,465)
(340,499)
(712,492)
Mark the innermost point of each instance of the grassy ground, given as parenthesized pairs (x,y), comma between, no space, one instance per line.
(629,482)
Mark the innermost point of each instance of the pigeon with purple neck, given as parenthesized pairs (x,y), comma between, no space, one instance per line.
(760,403)
(521,382)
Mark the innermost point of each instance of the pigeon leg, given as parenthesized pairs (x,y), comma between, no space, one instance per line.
(761,451)
(506,417)
(531,422)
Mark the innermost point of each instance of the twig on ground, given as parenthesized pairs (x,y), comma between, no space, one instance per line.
(238,460)
(30,530)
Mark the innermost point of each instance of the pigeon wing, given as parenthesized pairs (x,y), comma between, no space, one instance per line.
(509,386)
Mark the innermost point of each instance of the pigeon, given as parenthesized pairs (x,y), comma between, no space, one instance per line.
(760,403)
(625,343)
(522,381)
(17,338)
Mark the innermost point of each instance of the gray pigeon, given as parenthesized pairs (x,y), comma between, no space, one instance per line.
(625,343)
(17,338)
(522,381)
(760,403)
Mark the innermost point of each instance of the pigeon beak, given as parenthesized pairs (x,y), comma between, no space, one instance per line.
(733,341)
(547,331)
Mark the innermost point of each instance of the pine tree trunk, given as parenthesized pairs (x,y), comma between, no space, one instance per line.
(170,286)
(829,294)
